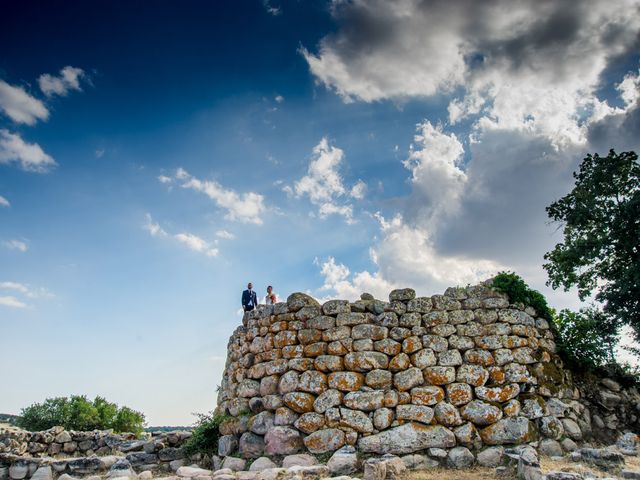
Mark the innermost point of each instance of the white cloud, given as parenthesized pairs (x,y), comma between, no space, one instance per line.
(68,80)
(245,208)
(191,241)
(164,179)
(16,245)
(13,302)
(437,179)
(28,156)
(21,107)
(153,227)
(527,66)
(279,98)
(196,244)
(225,235)
(336,279)
(359,190)
(4,202)
(26,290)
(323,184)
(100,153)
(271,9)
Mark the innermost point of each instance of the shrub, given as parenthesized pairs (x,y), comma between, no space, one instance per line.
(586,339)
(205,435)
(519,292)
(78,413)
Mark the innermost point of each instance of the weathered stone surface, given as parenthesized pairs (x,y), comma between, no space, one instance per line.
(479,357)
(420,462)
(572,429)
(366,401)
(407,438)
(309,422)
(251,445)
(449,358)
(227,444)
(435,343)
(407,379)
(550,448)
(382,418)
(420,305)
(312,381)
(300,460)
(345,381)
(368,331)
(447,415)
(400,362)
(439,375)
(343,462)
(388,347)
(429,395)
(468,435)
(379,379)
(459,393)
(329,363)
(260,464)
(326,440)
(498,394)
(299,402)
(298,300)
(417,413)
(282,441)
(284,416)
(551,427)
(262,422)
(490,457)
(460,457)
(480,413)
(510,430)
(333,307)
(355,419)
(475,375)
(365,361)
(374,469)
(402,294)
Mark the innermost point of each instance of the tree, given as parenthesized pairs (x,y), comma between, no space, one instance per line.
(601,249)
(78,413)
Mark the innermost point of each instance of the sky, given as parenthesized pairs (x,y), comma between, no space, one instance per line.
(156,157)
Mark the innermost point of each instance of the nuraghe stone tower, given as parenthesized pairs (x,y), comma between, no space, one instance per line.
(466,368)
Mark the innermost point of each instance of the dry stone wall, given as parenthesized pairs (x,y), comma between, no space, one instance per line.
(463,369)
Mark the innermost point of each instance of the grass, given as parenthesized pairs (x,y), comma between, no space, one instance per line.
(566,465)
(475,473)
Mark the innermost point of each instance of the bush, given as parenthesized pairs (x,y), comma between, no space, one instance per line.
(204,438)
(586,339)
(519,292)
(78,413)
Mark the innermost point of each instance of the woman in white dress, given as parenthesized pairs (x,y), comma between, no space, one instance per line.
(270,298)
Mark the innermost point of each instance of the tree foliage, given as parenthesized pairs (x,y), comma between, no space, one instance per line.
(600,252)
(586,339)
(78,413)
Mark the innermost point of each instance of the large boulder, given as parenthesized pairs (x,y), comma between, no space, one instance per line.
(510,430)
(298,300)
(408,438)
(282,441)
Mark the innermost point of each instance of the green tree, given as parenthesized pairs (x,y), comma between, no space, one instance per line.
(78,413)
(600,252)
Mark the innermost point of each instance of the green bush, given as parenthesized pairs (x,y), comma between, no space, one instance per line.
(586,339)
(78,413)
(519,292)
(206,431)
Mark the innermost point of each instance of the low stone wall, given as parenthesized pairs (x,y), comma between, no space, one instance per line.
(465,369)
(58,451)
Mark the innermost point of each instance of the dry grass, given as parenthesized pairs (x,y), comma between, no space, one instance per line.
(476,473)
(566,465)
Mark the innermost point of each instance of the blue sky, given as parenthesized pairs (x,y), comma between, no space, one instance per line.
(154,160)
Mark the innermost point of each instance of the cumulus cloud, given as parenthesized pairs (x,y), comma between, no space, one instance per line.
(323,184)
(245,207)
(67,80)
(28,156)
(21,107)
(342,284)
(16,245)
(4,202)
(190,240)
(531,66)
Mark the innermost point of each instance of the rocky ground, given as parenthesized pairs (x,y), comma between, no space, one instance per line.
(618,461)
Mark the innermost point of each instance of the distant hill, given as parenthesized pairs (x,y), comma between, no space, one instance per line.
(6,418)
(166,429)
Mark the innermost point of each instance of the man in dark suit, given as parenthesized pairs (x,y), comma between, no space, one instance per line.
(249,299)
